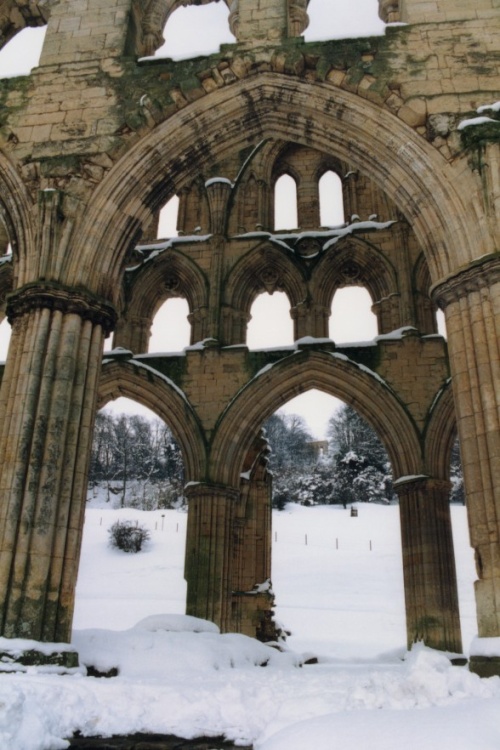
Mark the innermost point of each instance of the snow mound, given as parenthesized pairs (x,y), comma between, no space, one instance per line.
(153,652)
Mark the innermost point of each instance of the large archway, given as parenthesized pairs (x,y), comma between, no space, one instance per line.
(374,141)
(329,372)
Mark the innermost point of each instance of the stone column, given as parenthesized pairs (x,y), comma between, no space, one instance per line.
(310,319)
(430,581)
(471,301)
(252,594)
(47,409)
(257,21)
(218,193)
(387,311)
(208,564)
(133,333)
(234,326)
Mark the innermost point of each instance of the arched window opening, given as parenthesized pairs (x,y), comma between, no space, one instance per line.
(22,53)
(5,334)
(270,324)
(136,477)
(464,553)
(171,329)
(196,30)
(285,203)
(441,324)
(342,20)
(324,473)
(167,222)
(108,343)
(352,318)
(331,202)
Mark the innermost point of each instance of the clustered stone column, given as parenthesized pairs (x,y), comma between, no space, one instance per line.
(228,551)
(208,569)
(472,309)
(48,402)
(252,596)
(431,598)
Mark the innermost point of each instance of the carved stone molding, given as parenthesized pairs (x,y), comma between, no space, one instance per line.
(67,301)
(479,275)
(388,10)
(406,486)
(209,491)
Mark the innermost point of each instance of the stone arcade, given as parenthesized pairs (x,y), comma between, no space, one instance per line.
(95,142)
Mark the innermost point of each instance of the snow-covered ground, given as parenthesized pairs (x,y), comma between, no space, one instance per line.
(338,584)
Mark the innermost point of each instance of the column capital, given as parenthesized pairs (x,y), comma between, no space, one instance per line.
(479,274)
(210,490)
(405,486)
(55,296)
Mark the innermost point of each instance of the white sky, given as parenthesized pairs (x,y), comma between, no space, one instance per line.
(200,30)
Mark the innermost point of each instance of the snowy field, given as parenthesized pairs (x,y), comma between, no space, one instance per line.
(338,585)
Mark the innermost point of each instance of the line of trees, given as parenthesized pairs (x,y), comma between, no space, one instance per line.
(356,467)
(136,462)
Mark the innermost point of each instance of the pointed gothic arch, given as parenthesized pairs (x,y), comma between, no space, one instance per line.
(331,373)
(442,218)
(135,380)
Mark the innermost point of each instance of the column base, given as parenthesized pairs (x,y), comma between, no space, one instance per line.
(485,666)
(18,655)
(485,657)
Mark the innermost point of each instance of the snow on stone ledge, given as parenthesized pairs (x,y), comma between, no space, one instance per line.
(216,180)
(474,121)
(18,646)
(482,119)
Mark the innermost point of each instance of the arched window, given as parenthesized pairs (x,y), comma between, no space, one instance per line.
(171,329)
(167,223)
(285,203)
(352,318)
(270,325)
(331,202)
(342,20)
(22,53)
(441,323)
(196,30)
(5,333)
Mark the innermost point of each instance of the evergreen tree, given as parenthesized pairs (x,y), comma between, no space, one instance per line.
(360,464)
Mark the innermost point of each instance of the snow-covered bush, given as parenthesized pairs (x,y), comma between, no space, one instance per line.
(128,536)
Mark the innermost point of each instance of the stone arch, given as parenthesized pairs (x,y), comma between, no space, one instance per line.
(16,16)
(331,373)
(155,15)
(353,262)
(425,308)
(375,142)
(440,434)
(5,286)
(170,274)
(16,209)
(135,380)
(265,268)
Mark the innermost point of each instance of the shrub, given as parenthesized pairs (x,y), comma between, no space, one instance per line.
(128,536)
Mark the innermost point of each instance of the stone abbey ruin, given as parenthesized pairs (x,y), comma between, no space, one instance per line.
(94,143)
